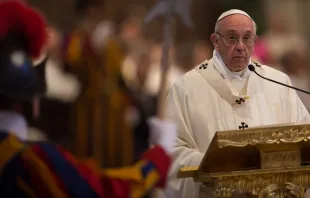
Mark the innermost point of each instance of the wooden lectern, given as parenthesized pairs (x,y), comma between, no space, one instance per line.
(265,162)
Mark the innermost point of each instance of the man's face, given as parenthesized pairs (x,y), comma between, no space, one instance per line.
(54,40)
(235,40)
(131,30)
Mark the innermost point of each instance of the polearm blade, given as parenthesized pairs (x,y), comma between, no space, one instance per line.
(168,9)
(161,8)
(174,7)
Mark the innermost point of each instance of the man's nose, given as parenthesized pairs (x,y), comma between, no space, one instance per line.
(240,45)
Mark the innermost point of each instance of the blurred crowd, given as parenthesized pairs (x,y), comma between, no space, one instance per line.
(283,50)
(141,66)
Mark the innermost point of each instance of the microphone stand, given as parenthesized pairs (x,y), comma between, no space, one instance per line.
(252,68)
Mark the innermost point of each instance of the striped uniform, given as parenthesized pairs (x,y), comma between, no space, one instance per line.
(43,170)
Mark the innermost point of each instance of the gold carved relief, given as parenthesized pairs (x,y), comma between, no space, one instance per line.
(277,159)
(263,185)
(276,191)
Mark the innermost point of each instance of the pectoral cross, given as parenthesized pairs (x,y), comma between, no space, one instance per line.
(240,101)
(203,66)
(243,126)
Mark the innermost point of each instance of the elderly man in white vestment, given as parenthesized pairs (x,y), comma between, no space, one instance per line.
(222,94)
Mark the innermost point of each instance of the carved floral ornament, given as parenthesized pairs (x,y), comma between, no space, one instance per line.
(286,134)
(264,185)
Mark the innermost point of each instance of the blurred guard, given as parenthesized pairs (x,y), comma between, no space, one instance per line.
(41,169)
(102,98)
(22,36)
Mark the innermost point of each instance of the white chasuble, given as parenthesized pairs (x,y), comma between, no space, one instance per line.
(204,101)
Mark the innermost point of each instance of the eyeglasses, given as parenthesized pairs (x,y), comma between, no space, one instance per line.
(233,40)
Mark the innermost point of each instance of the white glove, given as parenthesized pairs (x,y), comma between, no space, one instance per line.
(162,133)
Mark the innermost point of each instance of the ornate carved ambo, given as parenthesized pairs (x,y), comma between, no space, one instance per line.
(264,162)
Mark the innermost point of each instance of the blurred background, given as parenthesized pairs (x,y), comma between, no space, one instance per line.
(104,75)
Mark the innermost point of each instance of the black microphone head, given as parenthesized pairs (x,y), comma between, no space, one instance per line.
(251,68)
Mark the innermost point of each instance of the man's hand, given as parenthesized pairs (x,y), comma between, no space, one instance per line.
(162,133)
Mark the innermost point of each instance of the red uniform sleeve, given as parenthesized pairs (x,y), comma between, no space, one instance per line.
(133,181)
(137,180)
(162,162)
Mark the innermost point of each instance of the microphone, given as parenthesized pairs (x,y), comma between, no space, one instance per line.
(252,68)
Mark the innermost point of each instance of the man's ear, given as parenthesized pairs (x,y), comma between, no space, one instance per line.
(214,39)
(256,39)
